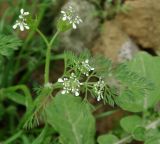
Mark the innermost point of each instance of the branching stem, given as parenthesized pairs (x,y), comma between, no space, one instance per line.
(48,57)
(48,53)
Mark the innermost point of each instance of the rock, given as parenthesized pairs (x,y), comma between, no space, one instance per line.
(81,38)
(142,22)
(114,43)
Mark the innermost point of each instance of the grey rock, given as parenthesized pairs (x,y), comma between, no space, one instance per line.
(81,38)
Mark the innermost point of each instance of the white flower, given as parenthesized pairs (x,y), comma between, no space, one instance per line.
(21,22)
(85,68)
(71,85)
(23,14)
(99,89)
(70,16)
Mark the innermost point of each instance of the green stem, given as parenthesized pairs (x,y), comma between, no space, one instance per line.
(48,56)
(48,53)
(13,138)
(54,38)
(105,114)
(43,37)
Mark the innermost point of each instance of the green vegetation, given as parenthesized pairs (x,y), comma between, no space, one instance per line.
(61,109)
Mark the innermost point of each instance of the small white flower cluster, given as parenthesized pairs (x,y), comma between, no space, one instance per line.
(70,16)
(21,22)
(71,85)
(85,68)
(99,89)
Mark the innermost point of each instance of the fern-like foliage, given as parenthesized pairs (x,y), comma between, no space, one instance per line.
(105,82)
(8,44)
(130,86)
(72,60)
(35,114)
(131,80)
(102,65)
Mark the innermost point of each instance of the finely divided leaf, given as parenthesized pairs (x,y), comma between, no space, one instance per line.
(149,67)
(8,44)
(102,66)
(139,88)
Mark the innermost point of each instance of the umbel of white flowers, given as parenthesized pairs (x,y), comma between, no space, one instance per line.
(70,85)
(99,89)
(21,22)
(70,16)
(85,68)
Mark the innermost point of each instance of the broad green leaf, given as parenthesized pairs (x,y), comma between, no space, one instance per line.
(147,67)
(152,136)
(8,44)
(153,141)
(152,132)
(139,133)
(129,123)
(72,119)
(107,139)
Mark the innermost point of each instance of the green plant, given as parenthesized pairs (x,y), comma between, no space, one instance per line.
(62,111)
(108,9)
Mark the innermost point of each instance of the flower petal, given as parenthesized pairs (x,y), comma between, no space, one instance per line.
(76,93)
(63,12)
(98,98)
(22,11)
(15,26)
(74,26)
(60,80)
(26,26)
(21,27)
(63,91)
(20,16)
(26,13)
(64,18)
